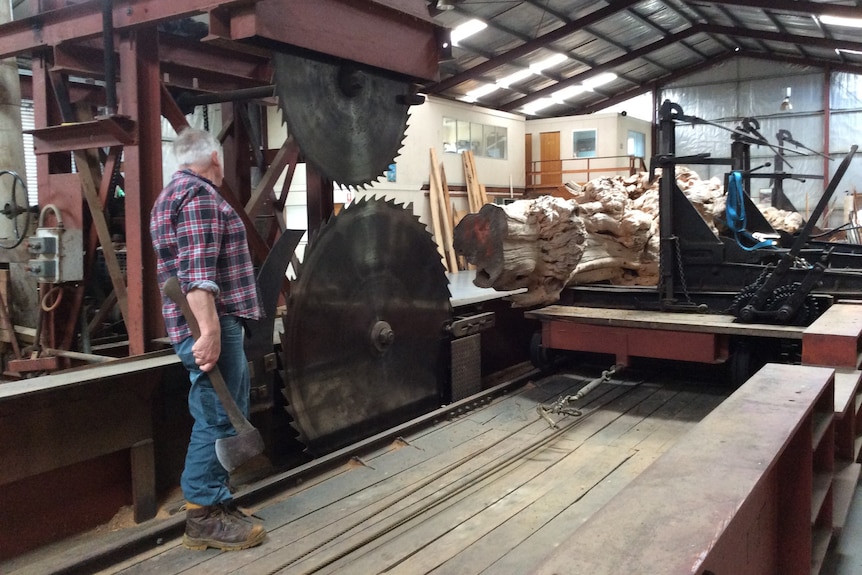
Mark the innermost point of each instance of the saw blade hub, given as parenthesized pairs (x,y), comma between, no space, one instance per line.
(382,336)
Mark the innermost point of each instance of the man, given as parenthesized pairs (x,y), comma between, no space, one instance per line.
(201,240)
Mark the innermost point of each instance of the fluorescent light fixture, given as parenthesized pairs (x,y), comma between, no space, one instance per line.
(600,80)
(846,51)
(477,93)
(840,21)
(466,30)
(563,94)
(567,93)
(548,63)
(537,105)
(514,78)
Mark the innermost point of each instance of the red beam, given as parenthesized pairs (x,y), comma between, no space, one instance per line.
(625,342)
(214,61)
(103,133)
(140,99)
(368,32)
(735,32)
(82,21)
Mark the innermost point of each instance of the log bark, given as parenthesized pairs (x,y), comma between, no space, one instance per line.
(533,244)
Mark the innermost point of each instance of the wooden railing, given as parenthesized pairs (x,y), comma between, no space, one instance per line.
(545,174)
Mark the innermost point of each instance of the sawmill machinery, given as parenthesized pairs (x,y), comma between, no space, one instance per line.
(700,268)
(370,309)
(371,336)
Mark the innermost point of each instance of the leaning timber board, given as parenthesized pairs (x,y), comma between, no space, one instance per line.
(645,319)
(494,490)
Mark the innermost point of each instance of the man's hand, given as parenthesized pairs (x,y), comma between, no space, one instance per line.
(207,348)
(206,351)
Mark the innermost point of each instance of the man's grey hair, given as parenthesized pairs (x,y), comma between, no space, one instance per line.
(195,147)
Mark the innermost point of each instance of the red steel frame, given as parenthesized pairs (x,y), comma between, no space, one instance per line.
(625,342)
(65,39)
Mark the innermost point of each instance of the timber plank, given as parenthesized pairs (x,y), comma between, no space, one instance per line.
(551,527)
(667,522)
(315,508)
(456,529)
(346,517)
(306,510)
(311,506)
(300,501)
(519,544)
(440,491)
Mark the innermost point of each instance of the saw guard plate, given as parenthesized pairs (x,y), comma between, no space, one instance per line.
(365,334)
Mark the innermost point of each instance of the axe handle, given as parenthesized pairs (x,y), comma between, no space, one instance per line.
(237,419)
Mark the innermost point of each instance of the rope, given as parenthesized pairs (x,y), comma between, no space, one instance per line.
(735,213)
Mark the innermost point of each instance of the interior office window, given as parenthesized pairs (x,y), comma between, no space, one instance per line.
(584,143)
(636,144)
(495,142)
(481,139)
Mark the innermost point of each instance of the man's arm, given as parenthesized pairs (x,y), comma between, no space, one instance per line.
(207,348)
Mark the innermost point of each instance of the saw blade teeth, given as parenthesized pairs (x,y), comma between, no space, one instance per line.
(401,265)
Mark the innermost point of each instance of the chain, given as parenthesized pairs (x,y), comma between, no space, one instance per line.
(561,405)
(681,270)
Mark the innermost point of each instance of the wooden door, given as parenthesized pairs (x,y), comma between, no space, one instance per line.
(551,164)
(529,178)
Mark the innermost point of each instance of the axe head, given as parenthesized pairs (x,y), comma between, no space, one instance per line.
(235,450)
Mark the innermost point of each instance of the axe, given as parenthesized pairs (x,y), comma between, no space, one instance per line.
(235,450)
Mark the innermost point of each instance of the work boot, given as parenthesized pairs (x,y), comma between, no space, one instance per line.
(231,508)
(221,527)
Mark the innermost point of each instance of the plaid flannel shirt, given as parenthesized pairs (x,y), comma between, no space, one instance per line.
(200,239)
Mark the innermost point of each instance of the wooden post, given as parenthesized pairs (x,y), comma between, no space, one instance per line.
(445,216)
(433,192)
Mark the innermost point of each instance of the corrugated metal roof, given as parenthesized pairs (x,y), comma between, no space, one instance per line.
(644,44)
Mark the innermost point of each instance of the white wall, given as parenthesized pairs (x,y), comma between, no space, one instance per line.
(611,135)
(424,131)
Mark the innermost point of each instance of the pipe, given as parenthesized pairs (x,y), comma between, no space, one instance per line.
(110,65)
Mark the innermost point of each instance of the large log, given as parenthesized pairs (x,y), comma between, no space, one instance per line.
(533,244)
(525,244)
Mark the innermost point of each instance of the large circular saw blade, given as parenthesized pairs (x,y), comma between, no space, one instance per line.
(348,120)
(366,327)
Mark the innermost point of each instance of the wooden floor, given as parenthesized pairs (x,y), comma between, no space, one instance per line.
(491,491)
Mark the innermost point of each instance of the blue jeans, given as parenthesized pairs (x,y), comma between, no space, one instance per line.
(204,481)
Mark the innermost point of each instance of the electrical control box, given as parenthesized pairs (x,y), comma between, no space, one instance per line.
(56,255)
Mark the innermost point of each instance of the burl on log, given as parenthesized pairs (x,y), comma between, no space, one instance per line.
(533,244)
